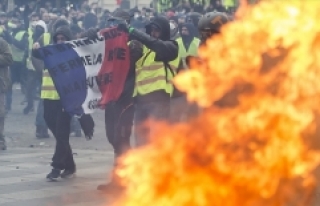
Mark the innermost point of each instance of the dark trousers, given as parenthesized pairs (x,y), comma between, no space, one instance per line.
(34,81)
(159,110)
(58,122)
(18,73)
(118,122)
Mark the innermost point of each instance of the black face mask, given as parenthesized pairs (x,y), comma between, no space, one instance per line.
(38,31)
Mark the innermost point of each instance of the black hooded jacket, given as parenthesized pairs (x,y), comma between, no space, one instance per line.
(166,50)
(187,39)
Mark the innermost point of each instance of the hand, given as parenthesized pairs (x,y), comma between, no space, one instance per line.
(123,27)
(36,45)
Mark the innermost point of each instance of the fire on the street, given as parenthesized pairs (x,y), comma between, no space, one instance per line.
(255,142)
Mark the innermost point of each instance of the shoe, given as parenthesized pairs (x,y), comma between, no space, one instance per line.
(3,145)
(42,132)
(54,174)
(28,109)
(111,187)
(68,173)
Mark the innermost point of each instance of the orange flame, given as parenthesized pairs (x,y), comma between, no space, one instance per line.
(254,144)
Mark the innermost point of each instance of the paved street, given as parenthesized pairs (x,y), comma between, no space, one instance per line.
(26,162)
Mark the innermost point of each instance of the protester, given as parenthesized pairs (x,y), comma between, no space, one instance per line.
(19,42)
(5,61)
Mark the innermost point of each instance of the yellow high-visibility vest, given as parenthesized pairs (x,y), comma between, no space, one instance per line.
(30,40)
(18,54)
(163,5)
(48,90)
(153,76)
(191,51)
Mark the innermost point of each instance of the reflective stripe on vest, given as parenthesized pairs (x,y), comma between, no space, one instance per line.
(152,76)
(18,54)
(192,50)
(48,90)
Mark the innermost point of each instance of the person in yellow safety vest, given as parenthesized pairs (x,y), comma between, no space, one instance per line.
(155,70)
(163,5)
(34,76)
(188,46)
(36,30)
(18,41)
(188,42)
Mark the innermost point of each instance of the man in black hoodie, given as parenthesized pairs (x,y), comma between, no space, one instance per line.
(57,119)
(155,60)
(154,71)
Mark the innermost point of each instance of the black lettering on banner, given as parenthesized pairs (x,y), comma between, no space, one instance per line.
(78,43)
(111,34)
(63,67)
(98,59)
(60,47)
(72,63)
(119,53)
(46,52)
(88,60)
(87,41)
(89,82)
(74,87)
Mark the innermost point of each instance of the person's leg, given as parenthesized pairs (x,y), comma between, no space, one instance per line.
(51,116)
(123,128)
(63,134)
(41,126)
(141,114)
(31,85)
(110,123)
(14,78)
(2,119)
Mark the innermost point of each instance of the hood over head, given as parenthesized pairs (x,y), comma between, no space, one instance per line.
(43,25)
(58,23)
(191,28)
(63,30)
(161,23)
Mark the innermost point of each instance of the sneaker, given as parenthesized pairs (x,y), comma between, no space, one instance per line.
(3,145)
(68,173)
(54,174)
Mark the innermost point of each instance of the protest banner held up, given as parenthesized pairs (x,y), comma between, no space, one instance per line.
(87,73)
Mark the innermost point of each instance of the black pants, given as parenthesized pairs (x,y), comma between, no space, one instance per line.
(118,122)
(58,122)
(144,111)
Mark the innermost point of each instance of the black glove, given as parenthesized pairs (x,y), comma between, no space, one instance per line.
(87,125)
